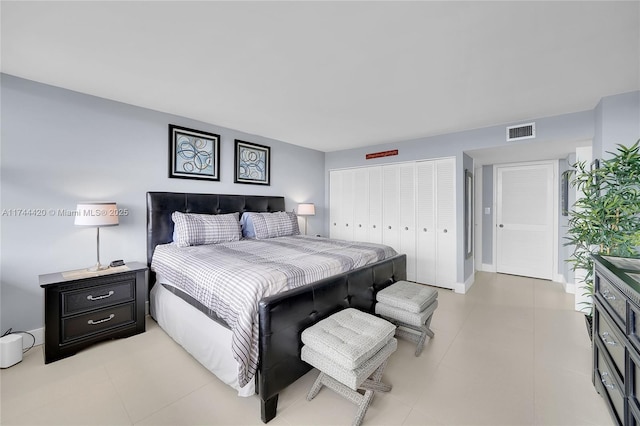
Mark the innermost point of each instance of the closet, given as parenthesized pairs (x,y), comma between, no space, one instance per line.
(408,206)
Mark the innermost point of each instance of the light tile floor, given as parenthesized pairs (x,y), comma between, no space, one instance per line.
(510,352)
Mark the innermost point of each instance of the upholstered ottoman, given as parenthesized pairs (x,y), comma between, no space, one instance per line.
(351,349)
(409,306)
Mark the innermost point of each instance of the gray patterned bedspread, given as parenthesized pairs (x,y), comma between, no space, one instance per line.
(231,278)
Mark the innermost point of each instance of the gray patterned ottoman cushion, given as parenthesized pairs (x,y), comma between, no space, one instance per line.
(416,319)
(349,337)
(408,296)
(349,377)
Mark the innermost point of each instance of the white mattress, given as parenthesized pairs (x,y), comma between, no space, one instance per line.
(206,340)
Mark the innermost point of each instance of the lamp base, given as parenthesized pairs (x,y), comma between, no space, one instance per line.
(98,267)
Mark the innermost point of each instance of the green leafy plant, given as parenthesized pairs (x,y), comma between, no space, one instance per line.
(605,218)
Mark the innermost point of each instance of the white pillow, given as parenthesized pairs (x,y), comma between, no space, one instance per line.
(192,229)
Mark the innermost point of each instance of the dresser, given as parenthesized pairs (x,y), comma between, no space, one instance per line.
(616,336)
(82,308)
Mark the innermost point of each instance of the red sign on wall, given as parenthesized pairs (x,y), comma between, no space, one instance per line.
(381,154)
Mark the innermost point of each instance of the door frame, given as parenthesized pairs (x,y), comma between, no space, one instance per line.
(555,276)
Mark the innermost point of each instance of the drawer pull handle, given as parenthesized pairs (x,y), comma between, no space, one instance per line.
(104,296)
(603,379)
(92,322)
(606,294)
(607,340)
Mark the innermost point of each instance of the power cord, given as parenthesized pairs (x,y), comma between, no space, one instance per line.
(10,331)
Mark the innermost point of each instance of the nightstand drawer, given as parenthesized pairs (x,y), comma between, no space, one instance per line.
(98,296)
(97,321)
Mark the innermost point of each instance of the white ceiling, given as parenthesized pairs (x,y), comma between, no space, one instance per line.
(332,75)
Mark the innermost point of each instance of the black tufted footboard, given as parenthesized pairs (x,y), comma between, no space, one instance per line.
(285,315)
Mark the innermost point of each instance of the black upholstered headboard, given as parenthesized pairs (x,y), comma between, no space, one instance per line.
(160,205)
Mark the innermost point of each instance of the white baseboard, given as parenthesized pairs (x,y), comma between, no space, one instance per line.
(38,334)
(488,267)
(462,288)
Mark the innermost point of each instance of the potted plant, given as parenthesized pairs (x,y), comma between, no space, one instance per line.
(605,218)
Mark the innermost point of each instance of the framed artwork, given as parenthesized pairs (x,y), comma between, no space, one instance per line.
(253,163)
(193,154)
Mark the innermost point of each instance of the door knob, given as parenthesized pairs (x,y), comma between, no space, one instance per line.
(501,226)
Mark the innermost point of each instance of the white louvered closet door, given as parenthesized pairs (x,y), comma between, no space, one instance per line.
(375,205)
(346,224)
(335,202)
(391,206)
(425,222)
(341,204)
(407,217)
(445,222)
(361,204)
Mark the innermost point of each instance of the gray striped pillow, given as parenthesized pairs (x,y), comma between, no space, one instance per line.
(270,225)
(192,229)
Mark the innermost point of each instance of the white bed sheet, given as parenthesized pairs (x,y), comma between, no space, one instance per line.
(206,340)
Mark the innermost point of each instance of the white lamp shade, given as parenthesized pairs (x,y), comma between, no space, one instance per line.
(308,209)
(97,213)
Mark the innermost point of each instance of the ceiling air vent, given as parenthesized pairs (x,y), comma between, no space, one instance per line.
(521,131)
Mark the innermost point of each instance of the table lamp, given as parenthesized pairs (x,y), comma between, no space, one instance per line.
(304,210)
(96,214)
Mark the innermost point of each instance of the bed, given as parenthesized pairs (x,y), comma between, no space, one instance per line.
(281,317)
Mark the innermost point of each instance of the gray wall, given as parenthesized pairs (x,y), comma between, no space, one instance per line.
(487,219)
(617,121)
(60,147)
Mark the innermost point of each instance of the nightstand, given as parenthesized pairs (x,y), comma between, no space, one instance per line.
(82,307)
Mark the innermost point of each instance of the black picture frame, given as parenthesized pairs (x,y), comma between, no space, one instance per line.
(193,154)
(252,163)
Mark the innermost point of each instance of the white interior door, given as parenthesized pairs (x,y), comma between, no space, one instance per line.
(524,215)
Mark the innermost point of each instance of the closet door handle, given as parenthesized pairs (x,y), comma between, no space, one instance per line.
(389,227)
(424,229)
(445,231)
(406,228)
(501,226)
